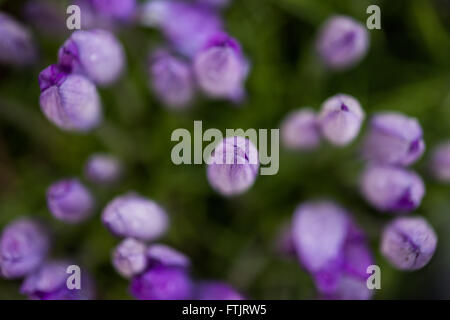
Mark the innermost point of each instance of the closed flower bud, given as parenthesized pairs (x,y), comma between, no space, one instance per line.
(440,162)
(134,216)
(69,101)
(300,130)
(160,254)
(340,119)
(103,169)
(394,138)
(342,42)
(392,188)
(172,80)
(97,54)
(233,166)
(16,45)
(23,246)
(129,257)
(69,201)
(408,243)
(221,68)
(216,290)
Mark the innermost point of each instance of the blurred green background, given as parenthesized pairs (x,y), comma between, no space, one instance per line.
(407,69)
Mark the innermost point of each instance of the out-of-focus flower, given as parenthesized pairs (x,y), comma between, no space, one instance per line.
(215,3)
(342,42)
(134,216)
(392,188)
(172,80)
(69,101)
(23,246)
(439,164)
(408,243)
(96,54)
(107,14)
(16,44)
(103,169)
(221,68)
(46,17)
(284,243)
(129,257)
(340,119)
(160,254)
(300,130)
(233,166)
(394,138)
(216,290)
(49,282)
(333,249)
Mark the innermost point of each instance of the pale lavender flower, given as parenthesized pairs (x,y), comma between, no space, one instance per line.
(233,166)
(134,216)
(342,42)
(392,189)
(216,290)
(129,257)
(340,119)
(160,254)
(393,138)
(439,164)
(408,243)
(300,130)
(103,169)
(23,247)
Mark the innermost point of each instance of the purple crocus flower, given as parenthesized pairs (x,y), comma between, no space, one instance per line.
(216,290)
(233,166)
(134,216)
(408,243)
(221,68)
(49,282)
(97,54)
(172,80)
(160,254)
(103,169)
(129,257)
(107,14)
(340,119)
(16,44)
(342,42)
(394,138)
(23,246)
(69,101)
(300,130)
(440,162)
(392,188)
(69,201)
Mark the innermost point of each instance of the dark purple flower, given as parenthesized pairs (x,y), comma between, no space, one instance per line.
(439,164)
(23,246)
(160,254)
(300,130)
(103,169)
(216,290)
(69,201)
(408,243)
(129,257)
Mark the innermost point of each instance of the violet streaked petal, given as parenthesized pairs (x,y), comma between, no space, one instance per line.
(160,254)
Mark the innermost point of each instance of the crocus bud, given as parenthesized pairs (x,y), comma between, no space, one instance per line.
(220,68)
(134,216)
(392,188)
(103,169)
(162,283)
(51,282)
(69,201)
(69,101)
(16,45)
(172,80)
(440,162)
(129,257)
(340,119)
(408,243)
(342,42)
(160,254)
(300,130)
(97,54)
(233,166)
(216,290)
(394,138)
(23,246)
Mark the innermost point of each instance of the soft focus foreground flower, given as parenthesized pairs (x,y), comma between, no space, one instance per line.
(216,290)
(439,164)
(408,243)
(134,216)
(160,254)
(172,79)
(342,42)
(107,14)
(392,188)
(300,130)
(129,257)
(103,169)
(23,246)
(394,138)
(340,119)
(69,201)
(333,249)
(233,166)
(69,101)
(96,54)
(49,282)
(16,44)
